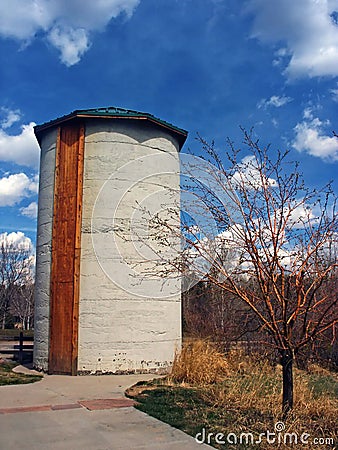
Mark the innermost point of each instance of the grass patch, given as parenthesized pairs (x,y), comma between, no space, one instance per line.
(322,382)
(246,400)
(7,376)
(155,402)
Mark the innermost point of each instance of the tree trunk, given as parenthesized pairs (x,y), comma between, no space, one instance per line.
(287,361)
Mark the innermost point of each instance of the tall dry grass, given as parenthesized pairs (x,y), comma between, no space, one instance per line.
(198,363)
(248,389)
(253,393)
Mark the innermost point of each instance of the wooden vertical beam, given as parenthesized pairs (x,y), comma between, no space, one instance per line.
(66,250)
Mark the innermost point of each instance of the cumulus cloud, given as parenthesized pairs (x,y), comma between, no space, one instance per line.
(310,137)
(301,216)
(249,176)
(298,215)
(16,187)
(71,43)
(66,23)
(22,148)
(275,101)
(30,211)
(22,19)
(305,31)
(17,240)
(227,248)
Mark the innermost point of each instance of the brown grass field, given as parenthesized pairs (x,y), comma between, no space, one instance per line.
(239,396)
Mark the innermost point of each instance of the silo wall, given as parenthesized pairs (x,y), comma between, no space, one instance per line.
(44,250)
(129,317)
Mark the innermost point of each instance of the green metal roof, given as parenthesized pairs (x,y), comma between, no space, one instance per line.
(113,113)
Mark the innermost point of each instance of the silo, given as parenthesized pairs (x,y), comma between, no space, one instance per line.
(100,306)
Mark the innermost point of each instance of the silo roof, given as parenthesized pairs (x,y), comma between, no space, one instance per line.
(113,113)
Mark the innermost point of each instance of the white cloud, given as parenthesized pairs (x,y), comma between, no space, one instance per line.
(10,118)
(30,211)
(65,22)
(310,137)
(193,229)
(16,187)
(304,30)
(301,215)
(34,184)
(22,148)
(17,240)
(228,246)
(22,19)
(275,101)
(71,43)
(249,176)
(298,215)
(308,113)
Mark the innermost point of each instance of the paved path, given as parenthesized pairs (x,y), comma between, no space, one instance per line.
(82,413)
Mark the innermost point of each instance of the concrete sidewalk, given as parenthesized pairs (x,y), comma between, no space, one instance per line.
(82,413)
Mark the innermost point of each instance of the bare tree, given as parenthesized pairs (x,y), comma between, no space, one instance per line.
(15,275)
(274,247)
(22,305)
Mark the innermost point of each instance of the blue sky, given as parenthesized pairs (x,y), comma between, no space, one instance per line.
(208,66)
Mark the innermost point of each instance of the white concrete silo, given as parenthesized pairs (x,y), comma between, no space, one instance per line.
(102,173)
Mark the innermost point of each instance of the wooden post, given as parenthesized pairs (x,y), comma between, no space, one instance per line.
(21,347)
(66,251)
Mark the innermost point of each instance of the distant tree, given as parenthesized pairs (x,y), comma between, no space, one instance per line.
(211,312)
(16,278)
(22,305)
(275,246)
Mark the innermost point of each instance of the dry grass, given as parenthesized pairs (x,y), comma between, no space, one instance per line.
(253,394)
(242,394)
(199,362)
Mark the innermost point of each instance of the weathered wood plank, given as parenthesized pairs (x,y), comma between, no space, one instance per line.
(66,246)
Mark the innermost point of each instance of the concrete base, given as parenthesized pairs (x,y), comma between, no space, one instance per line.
(88,426)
